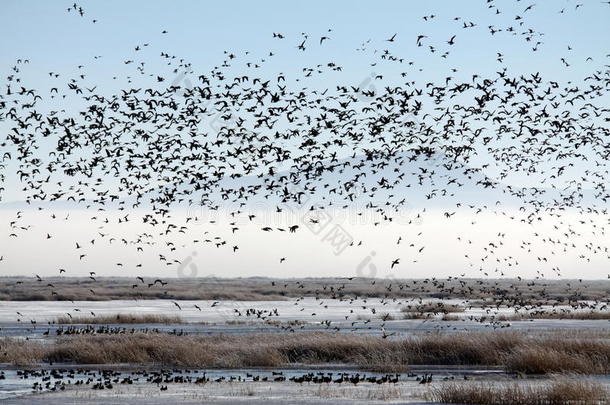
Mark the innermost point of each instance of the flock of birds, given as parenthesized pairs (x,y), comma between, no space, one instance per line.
(230,140)
(57,379)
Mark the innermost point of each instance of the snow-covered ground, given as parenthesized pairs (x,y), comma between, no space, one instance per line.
(307,309)
(31,319)
(360,316)
(409,391)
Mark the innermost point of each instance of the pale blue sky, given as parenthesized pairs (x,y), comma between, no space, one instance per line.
(55,40)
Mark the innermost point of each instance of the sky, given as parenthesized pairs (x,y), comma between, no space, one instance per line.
(57,40)
(54,39)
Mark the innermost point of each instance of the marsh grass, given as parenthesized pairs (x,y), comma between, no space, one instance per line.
(368,393)
(20,352)
(573,315)
(433,308)
(561,391)
(119,319)
(516,352)
(418,315)
(262,289)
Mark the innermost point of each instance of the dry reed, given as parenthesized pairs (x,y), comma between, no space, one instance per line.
(561,391)
(515,351)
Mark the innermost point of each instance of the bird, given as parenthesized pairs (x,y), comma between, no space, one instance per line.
(361,148)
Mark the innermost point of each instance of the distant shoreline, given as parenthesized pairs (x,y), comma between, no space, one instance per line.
(497,291)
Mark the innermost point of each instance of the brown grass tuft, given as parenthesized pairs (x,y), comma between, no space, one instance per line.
(119,319)
(574,315)
(20,352)
(433,307)
(558,392)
